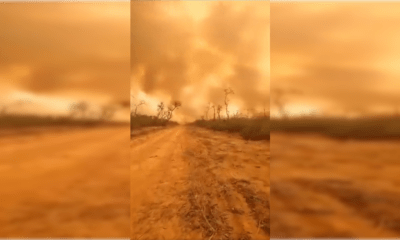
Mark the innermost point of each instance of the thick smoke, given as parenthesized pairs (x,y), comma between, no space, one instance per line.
(175,56)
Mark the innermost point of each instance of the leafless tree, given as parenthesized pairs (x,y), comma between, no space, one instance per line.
(160,109)
(137,105)
(172,107)
(227,92)
(213,106)
(219,109)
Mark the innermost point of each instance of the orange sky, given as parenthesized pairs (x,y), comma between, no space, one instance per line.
(191,50)
(52,54)
(342,57)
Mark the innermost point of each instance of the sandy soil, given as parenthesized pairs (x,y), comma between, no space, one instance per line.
(321,187)
(65,183)
(143,131)
(192,183)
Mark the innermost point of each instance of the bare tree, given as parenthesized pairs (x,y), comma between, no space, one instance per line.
(213,106)
(172,107)
(160,109)
(137,105)
(227,92)
(165,114)
(168,114)
(219,108)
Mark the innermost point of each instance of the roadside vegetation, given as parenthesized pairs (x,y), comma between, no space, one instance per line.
(161,119)
(365,127)
(249,128)
(374,127)
(80,115)
(255,126)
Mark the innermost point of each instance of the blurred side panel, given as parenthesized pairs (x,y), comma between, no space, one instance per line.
(335,123)
(64,119)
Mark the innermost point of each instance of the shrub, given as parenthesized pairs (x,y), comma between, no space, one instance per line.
(138,121)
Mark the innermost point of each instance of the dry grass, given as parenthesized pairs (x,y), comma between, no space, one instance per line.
(258,203)
(202,211)
(140,121)
(249,128)
(378,127)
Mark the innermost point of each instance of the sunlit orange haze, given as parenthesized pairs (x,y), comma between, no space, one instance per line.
(54,54)
(191,50)
(337,58)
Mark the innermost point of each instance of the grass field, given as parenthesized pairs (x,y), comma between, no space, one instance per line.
(249,128)
(383,127)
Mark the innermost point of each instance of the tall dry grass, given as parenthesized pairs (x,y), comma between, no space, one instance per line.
(376,127)
(257,128)
(140,121)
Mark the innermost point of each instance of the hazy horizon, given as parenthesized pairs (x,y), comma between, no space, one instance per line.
(56,54)
(335,58)
(192,51)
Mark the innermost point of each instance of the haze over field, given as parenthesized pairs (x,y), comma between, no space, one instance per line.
(337,58)
(64,109)
(334,173)
(54,54)
(190,51)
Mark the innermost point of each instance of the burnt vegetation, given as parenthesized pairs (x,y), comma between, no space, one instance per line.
(161,119)
(250,125)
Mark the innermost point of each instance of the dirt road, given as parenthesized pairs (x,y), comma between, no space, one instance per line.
(65,184)
(192,183)
(321,187)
